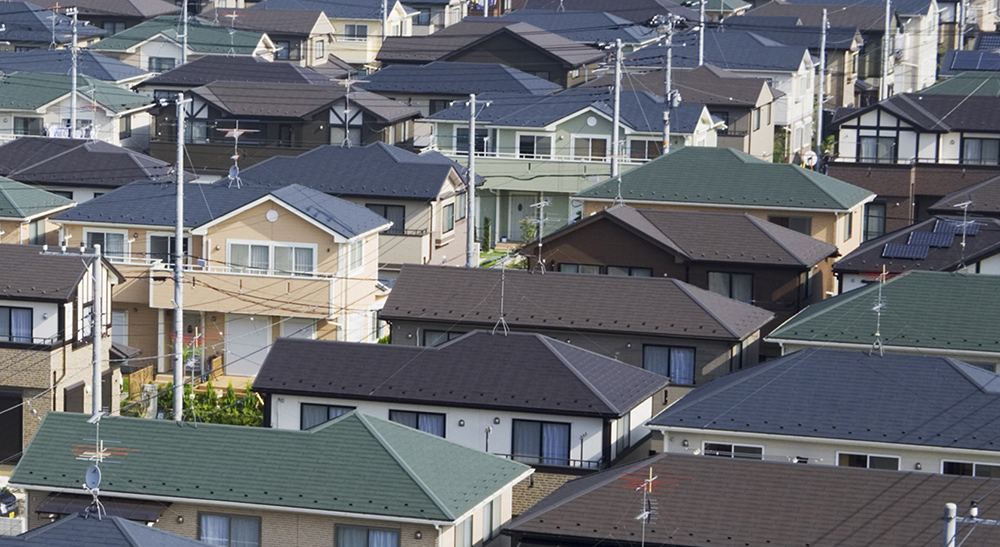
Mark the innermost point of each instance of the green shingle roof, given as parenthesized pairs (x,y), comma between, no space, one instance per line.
(32,90)
(18,200)
(967,83)
(355,464)
(203,36)
(939,310)
(723,176)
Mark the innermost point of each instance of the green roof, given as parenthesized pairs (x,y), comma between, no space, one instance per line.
(203,36)
(355,464)
(18,200)
(967,83)
(724,176)
(32,90)
(933,310)
(726,5)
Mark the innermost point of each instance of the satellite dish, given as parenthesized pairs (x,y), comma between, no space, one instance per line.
(234,172)
(93,477)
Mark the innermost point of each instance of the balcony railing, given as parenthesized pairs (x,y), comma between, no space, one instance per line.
(451,151)
(29,341)
(554,462)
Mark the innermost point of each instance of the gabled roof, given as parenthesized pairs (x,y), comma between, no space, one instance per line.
(934,244)
(144,9)
(968,83)
(20,201)
(866,18)
(462,79)
(588,27)
(519,372)
(27,22)
(938,113)
(901,7)
(203,36)
(637,11)
(707,84)
(633,305)
(59,61)
(698,501)
(272,21)
(837,38)
(724,176)
(152,204)
(728,48)
(936,311)
(243,68)
(376,170)
(334,9)
(27,274)
(79,530)
(77,162)
(30,91)
(985,198)
(851,395)
(354,464)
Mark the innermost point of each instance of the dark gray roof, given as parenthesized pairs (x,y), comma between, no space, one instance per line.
(150,203)
(521,372)
(27,22)
(375,170)
(77,162)
(459,79)
(985,198)
(822,393)
(837,38)
(334,9)
(938,113)
(27,274)
(903,7)
(589,27)
(866,18)
(89,63)
(944,250)
(632,305)
(143,9)
(239,68)
(707,84)
(77,530)
(271,21)
(637,11)
(728,48)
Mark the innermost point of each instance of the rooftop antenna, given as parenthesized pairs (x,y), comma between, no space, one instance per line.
(964,206)
(879,306)
(234,171)
(92,478)
(346,143)
(53,18)
(232,32)
(502,323)
(647,510)
(618,197)
(561,6)
(540,221)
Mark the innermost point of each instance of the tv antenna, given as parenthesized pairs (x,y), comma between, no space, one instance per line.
(92,478)
(232,31)
(540,221)
(879,306)
(502,323)
(647,509)
(234,171)
(54,17)
(964,206)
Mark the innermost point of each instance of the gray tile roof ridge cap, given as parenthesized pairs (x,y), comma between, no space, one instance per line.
(12,201)
(405,466)
(938,122)
(694,298)
(759,223)
(125,531)
(547,342)
(833,303)
(612,212)
(47,159)
(812,178)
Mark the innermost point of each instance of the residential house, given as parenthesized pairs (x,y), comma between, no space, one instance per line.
(357,481)
(522,46)
(980,199)
(115,17)
(422,195)
(60,61)
(717,10)
(37,104)
(28,26)
(46,334)
(637,11)
(301,37)
(87,530)
(695,501)
(726,180)
(538,149)
(156,45)
(976,19)
(277,120)
(595,28)
(663,325)
(739,256)
(527,397)
(261,262)
(434,15)
(789,69)
(827,407)
(743,104)
(24,213)
(941,244)
(77,169)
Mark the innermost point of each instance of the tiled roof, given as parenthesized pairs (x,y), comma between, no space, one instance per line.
(203,36)
(837,38)
(446,78)
(637,11)
(985,198)
(851,395)
(89,63)
(27,22)
(589,27)
(30,91)
(866,18)
(354,464)
(20,201)
(707,84)
(27,274)
(243,68)
(968,83)
(272,21)
(334,9)
(728,48)
(79,530)
(633,305)
(520,372)
(901,7)
(933,310)
(144,9)
(724,176)
(938,113)
(77,162)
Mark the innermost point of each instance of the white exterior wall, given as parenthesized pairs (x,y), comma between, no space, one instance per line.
(917,67)
(159,48)
(44,316)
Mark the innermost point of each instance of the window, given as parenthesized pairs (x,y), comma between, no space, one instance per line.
(981,151)
(545,443)
(357,536)
(312,415)
(112,244)
(113,27)
(734,451)
(645,149)
(623,437)
(119,327)
(848,225)
(673,362)
(630,271)
(432,338)
(355,33)
(320,49)
(802,225)
(164,95)
(877,149)
(125,127)
(63,194)
(462,139)
(437,105)
(229,530)
(492,519)
(273,259)
(579,268)
(738,286)
(534,146)
(591,148)
(970,469)
(463,533)
(868,461)
(462,201)
(36,232)
(161,64)
(448,218)
(283,49)
(393,213)
(15,325)
(357,251)
(756,119)
(423,17)
(162,248)
(27,126)
(874,220)
(428,422)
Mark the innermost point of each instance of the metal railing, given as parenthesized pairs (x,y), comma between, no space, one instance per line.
(535,459)
(31,340)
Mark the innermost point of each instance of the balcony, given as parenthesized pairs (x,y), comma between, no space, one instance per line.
(446,147)
(404,246)
(32,343)
(559,465)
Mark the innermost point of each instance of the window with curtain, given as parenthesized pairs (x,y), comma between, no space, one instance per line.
(848,225)
(630,271)
(15,325)
(874,220)
(393,213)
(312,415)
(877,149)
(428,422)
(623,439)
(642,149)
(360,536)
(545,443)
(112,244)
(355,33)
(229,530)
(676,363)
(492,519)
(981,151)
(448,218)
(970,469)
(463,533)
(119,327)
(274,259)
(36,232)
(590,148)
(738,286)
(566,267)
(162,248)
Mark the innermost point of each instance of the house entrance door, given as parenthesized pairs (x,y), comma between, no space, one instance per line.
(520,209)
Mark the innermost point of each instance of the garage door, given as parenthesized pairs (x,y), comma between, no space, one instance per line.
(248,338)
(10,426)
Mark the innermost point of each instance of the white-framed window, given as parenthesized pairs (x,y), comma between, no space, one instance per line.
(869,461)
(361,536)
(874,220)
(272,258)
(463,533)
(728,450)
(590,147)
(161,64)
(674,362)
(161,247)
(320,49)
(357,251)
(355,33)
(28,126)
(534,146)
(877,149)
(645,149)
(492,518)
(738,286)
(114,243)
(970,469)
(15,324)
(848,225)
(229,530)
(119,327)
(448,218)
(393,213)
(461,201)
(428,422)
(981,151)
(545,443)
(312,415)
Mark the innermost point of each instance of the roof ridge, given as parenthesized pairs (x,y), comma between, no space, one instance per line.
(676,245)
(938,122)
(402,463)
(809,176)
(759,223)
(47,159)
(832,303)
(546,342)
(5,194)
(681,285)
(125,531)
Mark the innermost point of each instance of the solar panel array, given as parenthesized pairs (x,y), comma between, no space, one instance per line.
(934,239)
(975,60)
(955,227)
(897,250)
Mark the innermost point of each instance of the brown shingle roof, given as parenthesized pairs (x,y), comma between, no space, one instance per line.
(27,274)
(274,21)
(707,84)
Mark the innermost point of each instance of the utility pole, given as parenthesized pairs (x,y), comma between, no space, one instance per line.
(385,19)
(821,87)
(184,37)
(951,520)
(471,251)
(179,266)
(617,120)
(886,46)
(72,81)
(701,34)
(962,7)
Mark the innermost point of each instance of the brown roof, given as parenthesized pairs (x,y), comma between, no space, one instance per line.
(27,274)
(984,197)
(130,8)
(274,21)
(705,501)
(707,84)
(634,305)
(862,17)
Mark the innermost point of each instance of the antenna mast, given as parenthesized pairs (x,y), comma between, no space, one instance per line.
(647,488)
(879,305)
(540,221)
(72,92)
(502,323)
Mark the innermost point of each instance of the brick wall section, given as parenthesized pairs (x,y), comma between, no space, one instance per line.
(528,493)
